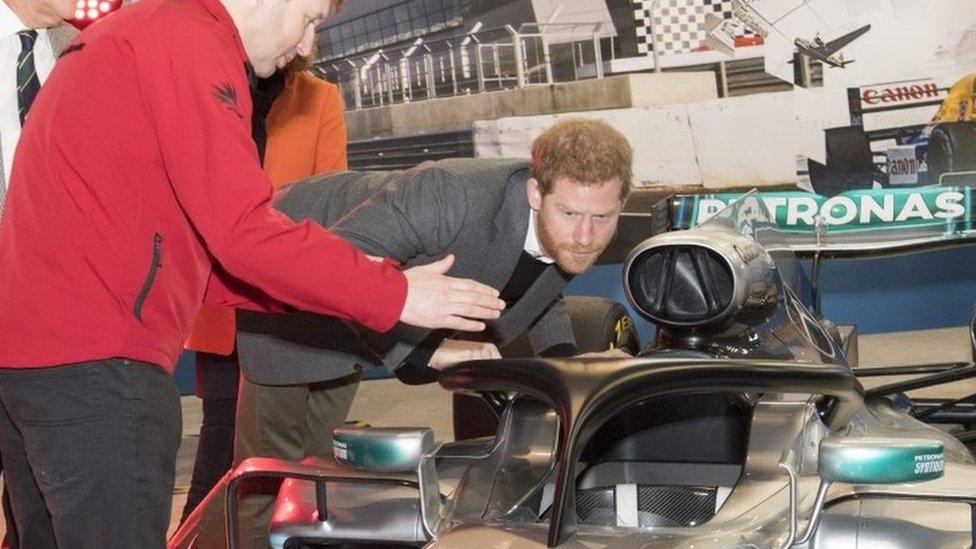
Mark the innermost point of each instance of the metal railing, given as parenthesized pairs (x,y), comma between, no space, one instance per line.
(534,54)
(475,62)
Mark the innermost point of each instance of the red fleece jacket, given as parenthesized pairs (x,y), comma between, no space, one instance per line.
(136,194)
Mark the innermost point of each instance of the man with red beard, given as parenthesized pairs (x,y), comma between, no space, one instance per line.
(524,228)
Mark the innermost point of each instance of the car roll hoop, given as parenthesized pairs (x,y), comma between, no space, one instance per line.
(587,392)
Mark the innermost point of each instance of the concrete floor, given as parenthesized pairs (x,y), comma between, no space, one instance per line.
(923,347)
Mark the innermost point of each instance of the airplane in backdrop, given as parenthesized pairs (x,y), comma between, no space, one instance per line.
(718,37)
(829,52)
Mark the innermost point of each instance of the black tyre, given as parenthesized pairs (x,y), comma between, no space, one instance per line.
(600,324)
(952,148)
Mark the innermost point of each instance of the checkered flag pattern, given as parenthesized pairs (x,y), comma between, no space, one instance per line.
(679,25)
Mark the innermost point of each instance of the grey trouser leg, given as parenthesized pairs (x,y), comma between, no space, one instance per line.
(286,422)
(89,452)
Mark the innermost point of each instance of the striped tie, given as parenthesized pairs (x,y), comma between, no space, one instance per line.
(27,82)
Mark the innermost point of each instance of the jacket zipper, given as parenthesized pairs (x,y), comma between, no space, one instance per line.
(157,262)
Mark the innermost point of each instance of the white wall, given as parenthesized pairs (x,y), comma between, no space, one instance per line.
(742,141)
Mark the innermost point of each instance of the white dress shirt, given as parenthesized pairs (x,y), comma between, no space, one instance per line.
(532,245)
(10,25)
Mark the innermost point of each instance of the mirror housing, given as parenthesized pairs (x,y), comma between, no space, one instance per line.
(382,449)
(875,460)
(866,460)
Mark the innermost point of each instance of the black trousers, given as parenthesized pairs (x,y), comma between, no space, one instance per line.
(217,377)
(89,453)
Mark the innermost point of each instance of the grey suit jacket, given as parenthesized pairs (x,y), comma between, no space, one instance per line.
(475,209)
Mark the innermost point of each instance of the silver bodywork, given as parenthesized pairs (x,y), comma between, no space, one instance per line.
(499,492)
(756,514)
(488,490)
(396,515)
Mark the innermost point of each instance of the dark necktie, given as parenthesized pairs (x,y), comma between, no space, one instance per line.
(526,271)
(27,82)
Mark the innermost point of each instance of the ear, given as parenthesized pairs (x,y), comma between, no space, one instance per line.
(534,194)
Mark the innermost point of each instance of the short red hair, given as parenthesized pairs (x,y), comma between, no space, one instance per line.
(588,152)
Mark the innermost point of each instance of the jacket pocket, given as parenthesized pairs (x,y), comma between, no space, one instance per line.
(157,262)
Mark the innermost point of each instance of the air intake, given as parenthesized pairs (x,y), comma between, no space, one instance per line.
(681,285)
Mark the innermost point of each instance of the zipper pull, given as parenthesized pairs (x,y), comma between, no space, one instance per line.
(157,247)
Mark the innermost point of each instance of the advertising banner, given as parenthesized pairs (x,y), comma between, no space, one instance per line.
(859,220)
(906,92)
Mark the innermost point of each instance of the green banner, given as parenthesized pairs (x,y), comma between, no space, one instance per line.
(928,210)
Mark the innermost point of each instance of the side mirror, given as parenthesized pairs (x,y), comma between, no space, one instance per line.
(880,461)
(394,450)
(382,450)
(867,460)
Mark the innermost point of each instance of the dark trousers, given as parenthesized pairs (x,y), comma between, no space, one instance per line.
(89,453)
(216,384)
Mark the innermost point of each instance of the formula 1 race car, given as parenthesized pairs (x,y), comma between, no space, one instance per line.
(922,154)
(740,425)
(863,225)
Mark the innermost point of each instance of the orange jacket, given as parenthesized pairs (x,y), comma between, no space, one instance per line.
(306,136)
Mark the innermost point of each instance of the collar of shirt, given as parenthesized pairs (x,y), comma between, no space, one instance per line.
(10,24)
(10,48)
(532,245)
(217,10)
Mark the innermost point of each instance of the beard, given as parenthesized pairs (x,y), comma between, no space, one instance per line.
(570,258)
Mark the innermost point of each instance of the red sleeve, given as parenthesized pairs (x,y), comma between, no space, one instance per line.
(201,109)
(227,291)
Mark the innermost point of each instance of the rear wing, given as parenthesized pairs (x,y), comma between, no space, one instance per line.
(857,223)
(906,95)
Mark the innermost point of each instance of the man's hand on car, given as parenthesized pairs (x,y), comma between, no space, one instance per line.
(435,300)
(452,351)
(609,353)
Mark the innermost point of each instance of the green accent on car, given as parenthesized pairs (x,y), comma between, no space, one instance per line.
(378,449)
(864,460)
(948,210)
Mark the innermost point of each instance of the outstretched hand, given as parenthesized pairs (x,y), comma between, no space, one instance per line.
(435,300)
(609,353)
(452,351)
